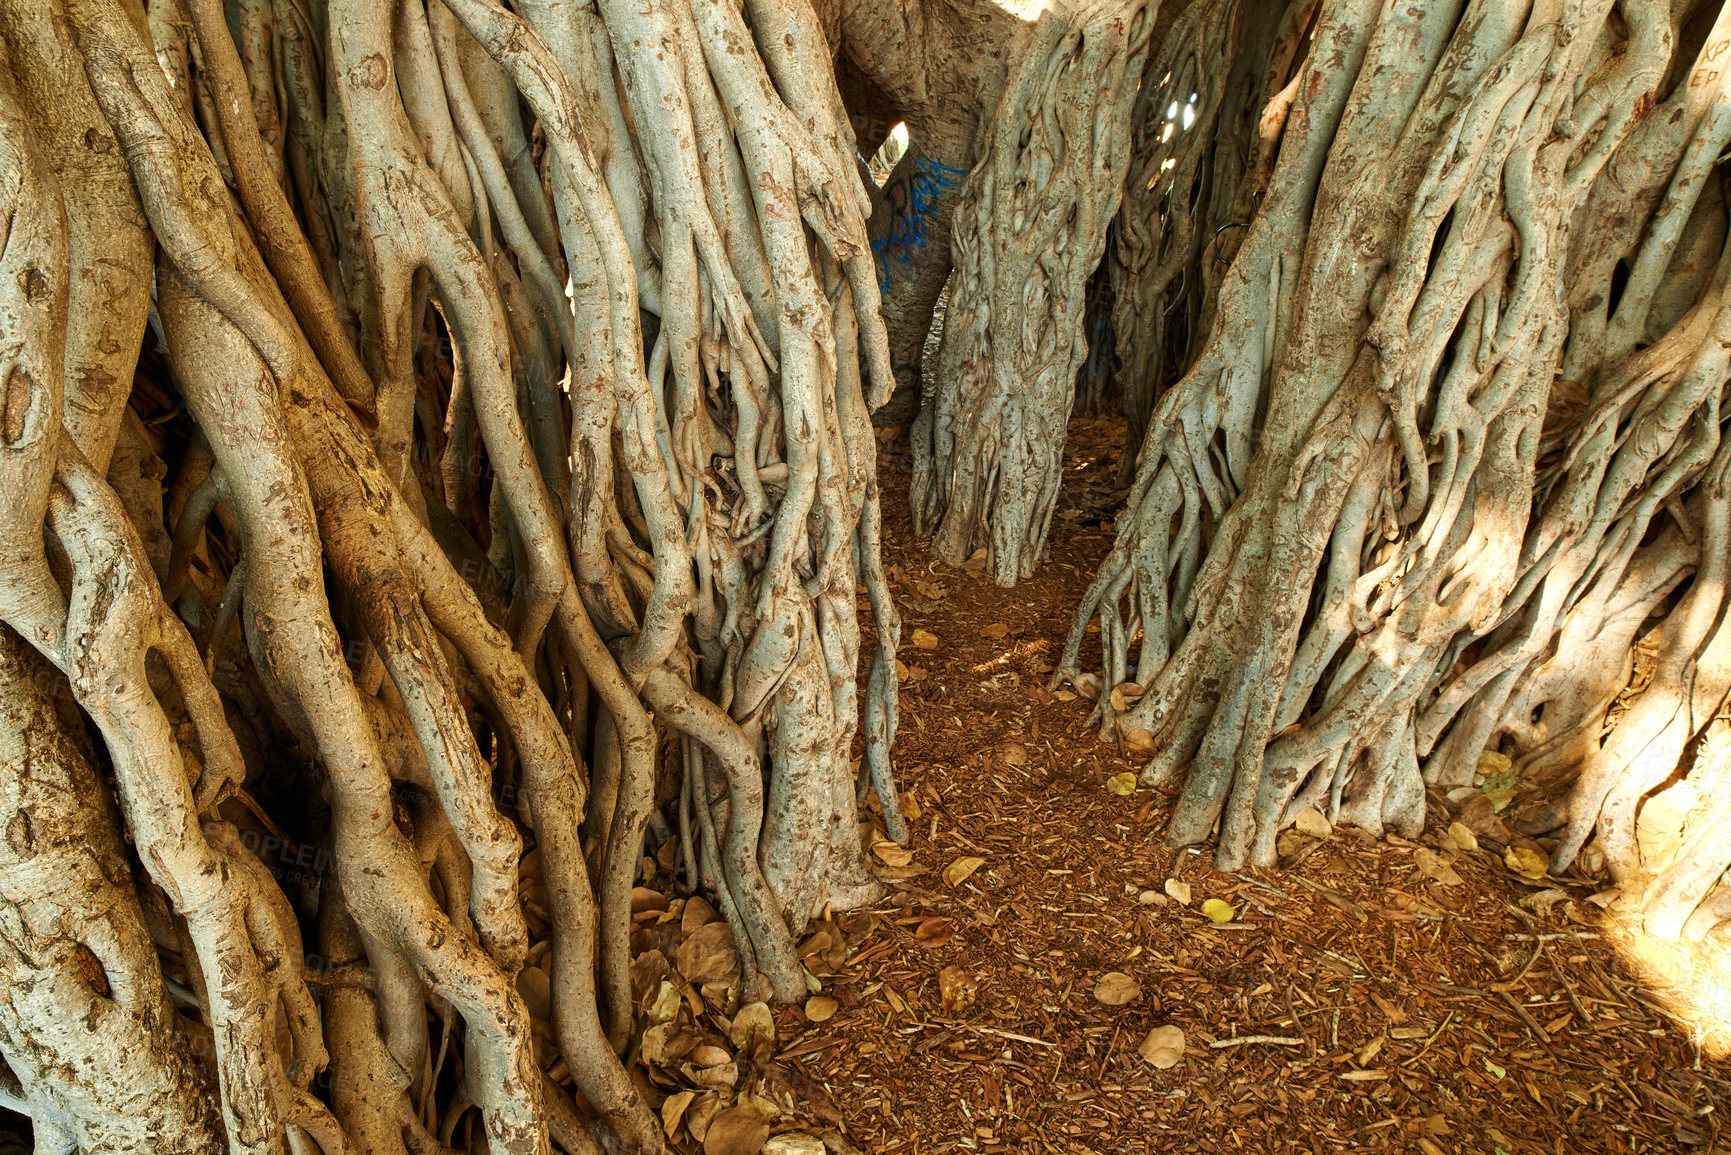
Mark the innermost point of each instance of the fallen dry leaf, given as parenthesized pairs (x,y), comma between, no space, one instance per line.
(995,630)
(1432,865)
(891,854)
(1163,1047)
(1492,763)
(924,639)
(820,1008)
(737,1131)
(1310,821)
(1013,754)
(1139,742)
(673,1110)
(696,913)
(1178,891)
(707,956)
(699,1114)
(1124,695)
(753,1025)
(1116,988)
(961,869)
(709,1055)
(1123,785)
(933,932)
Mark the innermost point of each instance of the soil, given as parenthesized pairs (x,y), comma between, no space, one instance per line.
(1349,1001)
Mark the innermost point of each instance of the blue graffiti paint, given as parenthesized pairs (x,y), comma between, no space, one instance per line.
(914,201)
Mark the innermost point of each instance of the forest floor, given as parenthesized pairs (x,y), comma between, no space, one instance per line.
(1368,995)
(1484,1012)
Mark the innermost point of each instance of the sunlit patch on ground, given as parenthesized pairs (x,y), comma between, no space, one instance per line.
(1689,982)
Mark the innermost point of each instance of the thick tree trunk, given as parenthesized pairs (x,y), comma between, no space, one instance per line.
(519,371)
(1028,234)
(1463,370)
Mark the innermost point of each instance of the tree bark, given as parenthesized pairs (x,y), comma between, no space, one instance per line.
(1029,232)
(1475,451)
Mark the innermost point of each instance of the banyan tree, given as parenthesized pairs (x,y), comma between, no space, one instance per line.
(1441,439)
(441,491)
(437,452)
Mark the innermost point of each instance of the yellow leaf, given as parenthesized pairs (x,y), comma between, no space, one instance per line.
(925,639)
(1123,784)
(1491,762)
(1463,836)
(1526,861)
(1219,910)
(665,1008)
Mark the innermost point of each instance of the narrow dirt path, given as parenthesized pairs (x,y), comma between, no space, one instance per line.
(1394,1011)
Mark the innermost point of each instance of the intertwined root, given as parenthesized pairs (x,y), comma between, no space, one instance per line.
(1453,435)
(520,433)
(1027,234)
